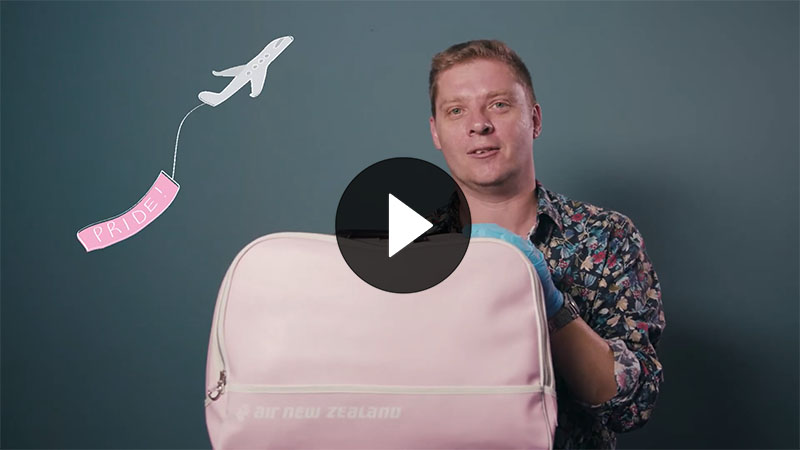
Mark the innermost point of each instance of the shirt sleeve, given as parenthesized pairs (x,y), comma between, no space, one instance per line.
(627,312)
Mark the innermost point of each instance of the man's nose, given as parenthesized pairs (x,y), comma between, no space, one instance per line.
(480,125)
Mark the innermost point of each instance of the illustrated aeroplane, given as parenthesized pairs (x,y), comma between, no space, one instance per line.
(254,72)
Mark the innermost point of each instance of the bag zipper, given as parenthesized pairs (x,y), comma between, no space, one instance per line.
(382,389)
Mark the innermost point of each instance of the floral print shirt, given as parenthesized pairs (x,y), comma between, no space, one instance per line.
(598,257)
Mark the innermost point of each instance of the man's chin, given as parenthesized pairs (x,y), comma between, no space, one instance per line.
(493,184)
(488,182)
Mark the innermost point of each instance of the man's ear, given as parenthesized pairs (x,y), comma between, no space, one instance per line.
(434,134)
(536,117)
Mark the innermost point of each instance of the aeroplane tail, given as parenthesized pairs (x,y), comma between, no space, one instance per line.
(210,98)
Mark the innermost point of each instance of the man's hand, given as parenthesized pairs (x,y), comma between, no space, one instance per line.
(580,355)
(554,299)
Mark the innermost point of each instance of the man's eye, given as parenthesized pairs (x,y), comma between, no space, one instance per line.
(455,111)
(501,103)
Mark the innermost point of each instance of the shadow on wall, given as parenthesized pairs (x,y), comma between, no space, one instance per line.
(716,395)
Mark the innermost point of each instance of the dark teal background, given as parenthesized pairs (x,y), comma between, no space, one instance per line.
(681,115)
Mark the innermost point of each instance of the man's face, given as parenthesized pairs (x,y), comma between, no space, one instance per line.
(485,126)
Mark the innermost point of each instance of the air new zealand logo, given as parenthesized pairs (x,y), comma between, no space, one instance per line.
(318,412)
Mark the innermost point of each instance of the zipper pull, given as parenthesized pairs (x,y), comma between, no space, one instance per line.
(214,394)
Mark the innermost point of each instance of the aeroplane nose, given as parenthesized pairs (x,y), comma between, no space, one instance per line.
(283,41)
(276,47)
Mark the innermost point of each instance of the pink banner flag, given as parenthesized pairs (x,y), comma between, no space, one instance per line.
(155,201)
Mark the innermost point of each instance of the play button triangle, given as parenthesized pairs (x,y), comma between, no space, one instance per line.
(405,225)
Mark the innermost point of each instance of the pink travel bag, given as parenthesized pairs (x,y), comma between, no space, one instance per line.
(304,354)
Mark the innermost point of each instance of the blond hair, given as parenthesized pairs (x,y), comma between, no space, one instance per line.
(478,49)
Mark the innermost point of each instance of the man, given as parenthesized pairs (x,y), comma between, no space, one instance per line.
(604,305)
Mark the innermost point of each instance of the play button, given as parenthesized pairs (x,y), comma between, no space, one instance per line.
(403,225)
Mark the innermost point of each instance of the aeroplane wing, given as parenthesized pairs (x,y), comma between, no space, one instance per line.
(257,82)
(232,72)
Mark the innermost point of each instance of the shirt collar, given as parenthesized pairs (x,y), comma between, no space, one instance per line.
(444,218)
(545,208)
